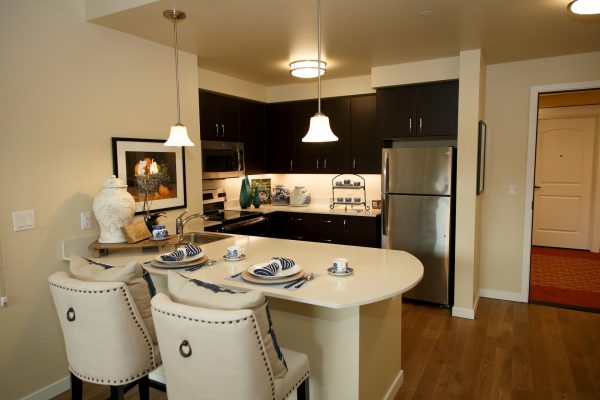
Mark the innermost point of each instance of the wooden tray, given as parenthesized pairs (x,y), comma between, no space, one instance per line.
(102,249)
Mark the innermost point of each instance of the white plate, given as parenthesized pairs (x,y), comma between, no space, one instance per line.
(234,258)
(185,259)
(335,273)
(281,274)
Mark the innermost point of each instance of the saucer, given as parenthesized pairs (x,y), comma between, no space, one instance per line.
(240,257)
(335,273)
(158,240)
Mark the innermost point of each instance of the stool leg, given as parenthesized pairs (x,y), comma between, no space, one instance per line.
(76,388)
(117,392)
(144,388)
(303,391)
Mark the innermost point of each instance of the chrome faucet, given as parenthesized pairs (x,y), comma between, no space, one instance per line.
(180,222)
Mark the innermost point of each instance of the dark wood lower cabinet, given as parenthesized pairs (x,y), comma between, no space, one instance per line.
(326,228)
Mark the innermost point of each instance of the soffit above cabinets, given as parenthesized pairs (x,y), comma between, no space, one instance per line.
(256,40)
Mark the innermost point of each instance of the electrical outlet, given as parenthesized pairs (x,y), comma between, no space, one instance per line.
(3,302)
(86,220)
(23,220)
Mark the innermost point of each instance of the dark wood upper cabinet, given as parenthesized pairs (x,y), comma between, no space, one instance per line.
(418,111)
(335,157)
(219,117)
(253,135)
(365,145)
(280,138)
(306,153)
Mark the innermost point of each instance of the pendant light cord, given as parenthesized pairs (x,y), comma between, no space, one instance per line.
(176,70)
(319,55)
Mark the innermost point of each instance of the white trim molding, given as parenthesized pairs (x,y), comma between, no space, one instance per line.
(468,313)
(500,295)
(50,391)
(529,177)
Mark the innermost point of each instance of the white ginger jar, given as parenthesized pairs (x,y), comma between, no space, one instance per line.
(300,197)
(114,208)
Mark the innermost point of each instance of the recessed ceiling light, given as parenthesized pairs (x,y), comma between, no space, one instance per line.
(584,7)
(425,13)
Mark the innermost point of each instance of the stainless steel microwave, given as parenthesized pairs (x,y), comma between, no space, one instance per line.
(222,160)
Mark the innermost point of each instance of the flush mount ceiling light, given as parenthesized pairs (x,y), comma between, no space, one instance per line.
(178,135)
(319,129)
(584,7)
(308,68)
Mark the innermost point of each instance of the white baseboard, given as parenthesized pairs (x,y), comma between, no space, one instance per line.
(500,295)
(468,313)
(52,390)
(393,390)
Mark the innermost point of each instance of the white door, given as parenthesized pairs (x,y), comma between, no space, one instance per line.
(563,180)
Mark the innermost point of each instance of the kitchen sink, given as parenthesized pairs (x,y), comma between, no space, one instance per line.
(203,237)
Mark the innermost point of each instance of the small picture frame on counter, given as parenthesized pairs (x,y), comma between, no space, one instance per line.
(376,204)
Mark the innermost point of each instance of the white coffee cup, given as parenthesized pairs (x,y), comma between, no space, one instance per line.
(340,264)
(234,251)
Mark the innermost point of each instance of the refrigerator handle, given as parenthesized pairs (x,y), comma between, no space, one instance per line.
(384,212)
(385,187)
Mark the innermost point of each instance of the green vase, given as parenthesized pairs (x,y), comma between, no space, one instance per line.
(256,198)
(245,193)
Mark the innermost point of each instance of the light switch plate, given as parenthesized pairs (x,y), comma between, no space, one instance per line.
(86,220)
(512,190)
(23,220)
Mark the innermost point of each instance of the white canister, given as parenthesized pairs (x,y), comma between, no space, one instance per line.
(300,197)
(114,208)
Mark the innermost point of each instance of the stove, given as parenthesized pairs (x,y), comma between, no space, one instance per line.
(243,222)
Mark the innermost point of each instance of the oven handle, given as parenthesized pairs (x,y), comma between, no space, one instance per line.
(243,224)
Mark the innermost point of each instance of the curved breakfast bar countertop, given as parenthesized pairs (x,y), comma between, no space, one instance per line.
(350,327)
(379,274)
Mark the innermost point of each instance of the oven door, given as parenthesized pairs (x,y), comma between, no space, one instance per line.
(222,160)
(252,227)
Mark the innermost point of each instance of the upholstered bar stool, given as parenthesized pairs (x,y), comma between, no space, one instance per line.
(106,340)
(219,354)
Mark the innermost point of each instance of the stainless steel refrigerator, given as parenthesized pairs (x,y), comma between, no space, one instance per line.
(418,206)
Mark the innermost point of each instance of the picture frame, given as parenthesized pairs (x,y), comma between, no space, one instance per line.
(153,172)
(481,157)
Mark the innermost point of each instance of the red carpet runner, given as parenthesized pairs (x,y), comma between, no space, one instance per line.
(567,277)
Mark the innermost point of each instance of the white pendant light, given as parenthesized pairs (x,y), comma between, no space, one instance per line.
(319,129)
(178,135)
(584,7)
(308,68)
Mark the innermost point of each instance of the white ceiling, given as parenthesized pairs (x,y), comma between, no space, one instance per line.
(255,40)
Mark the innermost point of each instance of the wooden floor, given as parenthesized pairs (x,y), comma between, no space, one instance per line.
(510,351)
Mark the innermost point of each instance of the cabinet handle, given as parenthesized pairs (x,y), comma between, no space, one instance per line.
(325,164)
(420,125)
(317,164)
(291,165)
(410,125)
(326,240)
(327,221)
(222,130)
(344,223)
(217,129)
(354,163)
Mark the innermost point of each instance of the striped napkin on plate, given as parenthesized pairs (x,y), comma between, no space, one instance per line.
(268,270)
(285,263)
(176,255)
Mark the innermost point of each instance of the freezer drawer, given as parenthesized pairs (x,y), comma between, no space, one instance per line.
(420,225)
(423,170)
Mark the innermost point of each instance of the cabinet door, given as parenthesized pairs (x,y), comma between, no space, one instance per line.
(292,226)
(437,109)
(307,154)
(209,116)
(365,145)
(361,231)
(396,112)
(280,137)
(229,118)
(324,228)
(335,157)
(253,135)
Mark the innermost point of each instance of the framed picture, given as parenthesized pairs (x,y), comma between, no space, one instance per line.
(481,157)
(264,189)
(153,172)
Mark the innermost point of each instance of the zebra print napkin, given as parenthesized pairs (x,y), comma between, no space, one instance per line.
(268,270)
(285,263)
(176,255)
(192,250)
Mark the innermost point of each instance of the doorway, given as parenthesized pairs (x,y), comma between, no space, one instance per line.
(564,269)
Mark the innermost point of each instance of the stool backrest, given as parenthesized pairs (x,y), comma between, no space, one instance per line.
(211,354)
(105,338)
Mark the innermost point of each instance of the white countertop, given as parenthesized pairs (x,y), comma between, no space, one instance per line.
(379,274)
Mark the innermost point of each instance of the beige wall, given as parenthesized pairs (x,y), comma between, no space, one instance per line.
(68,86)
(507,115)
